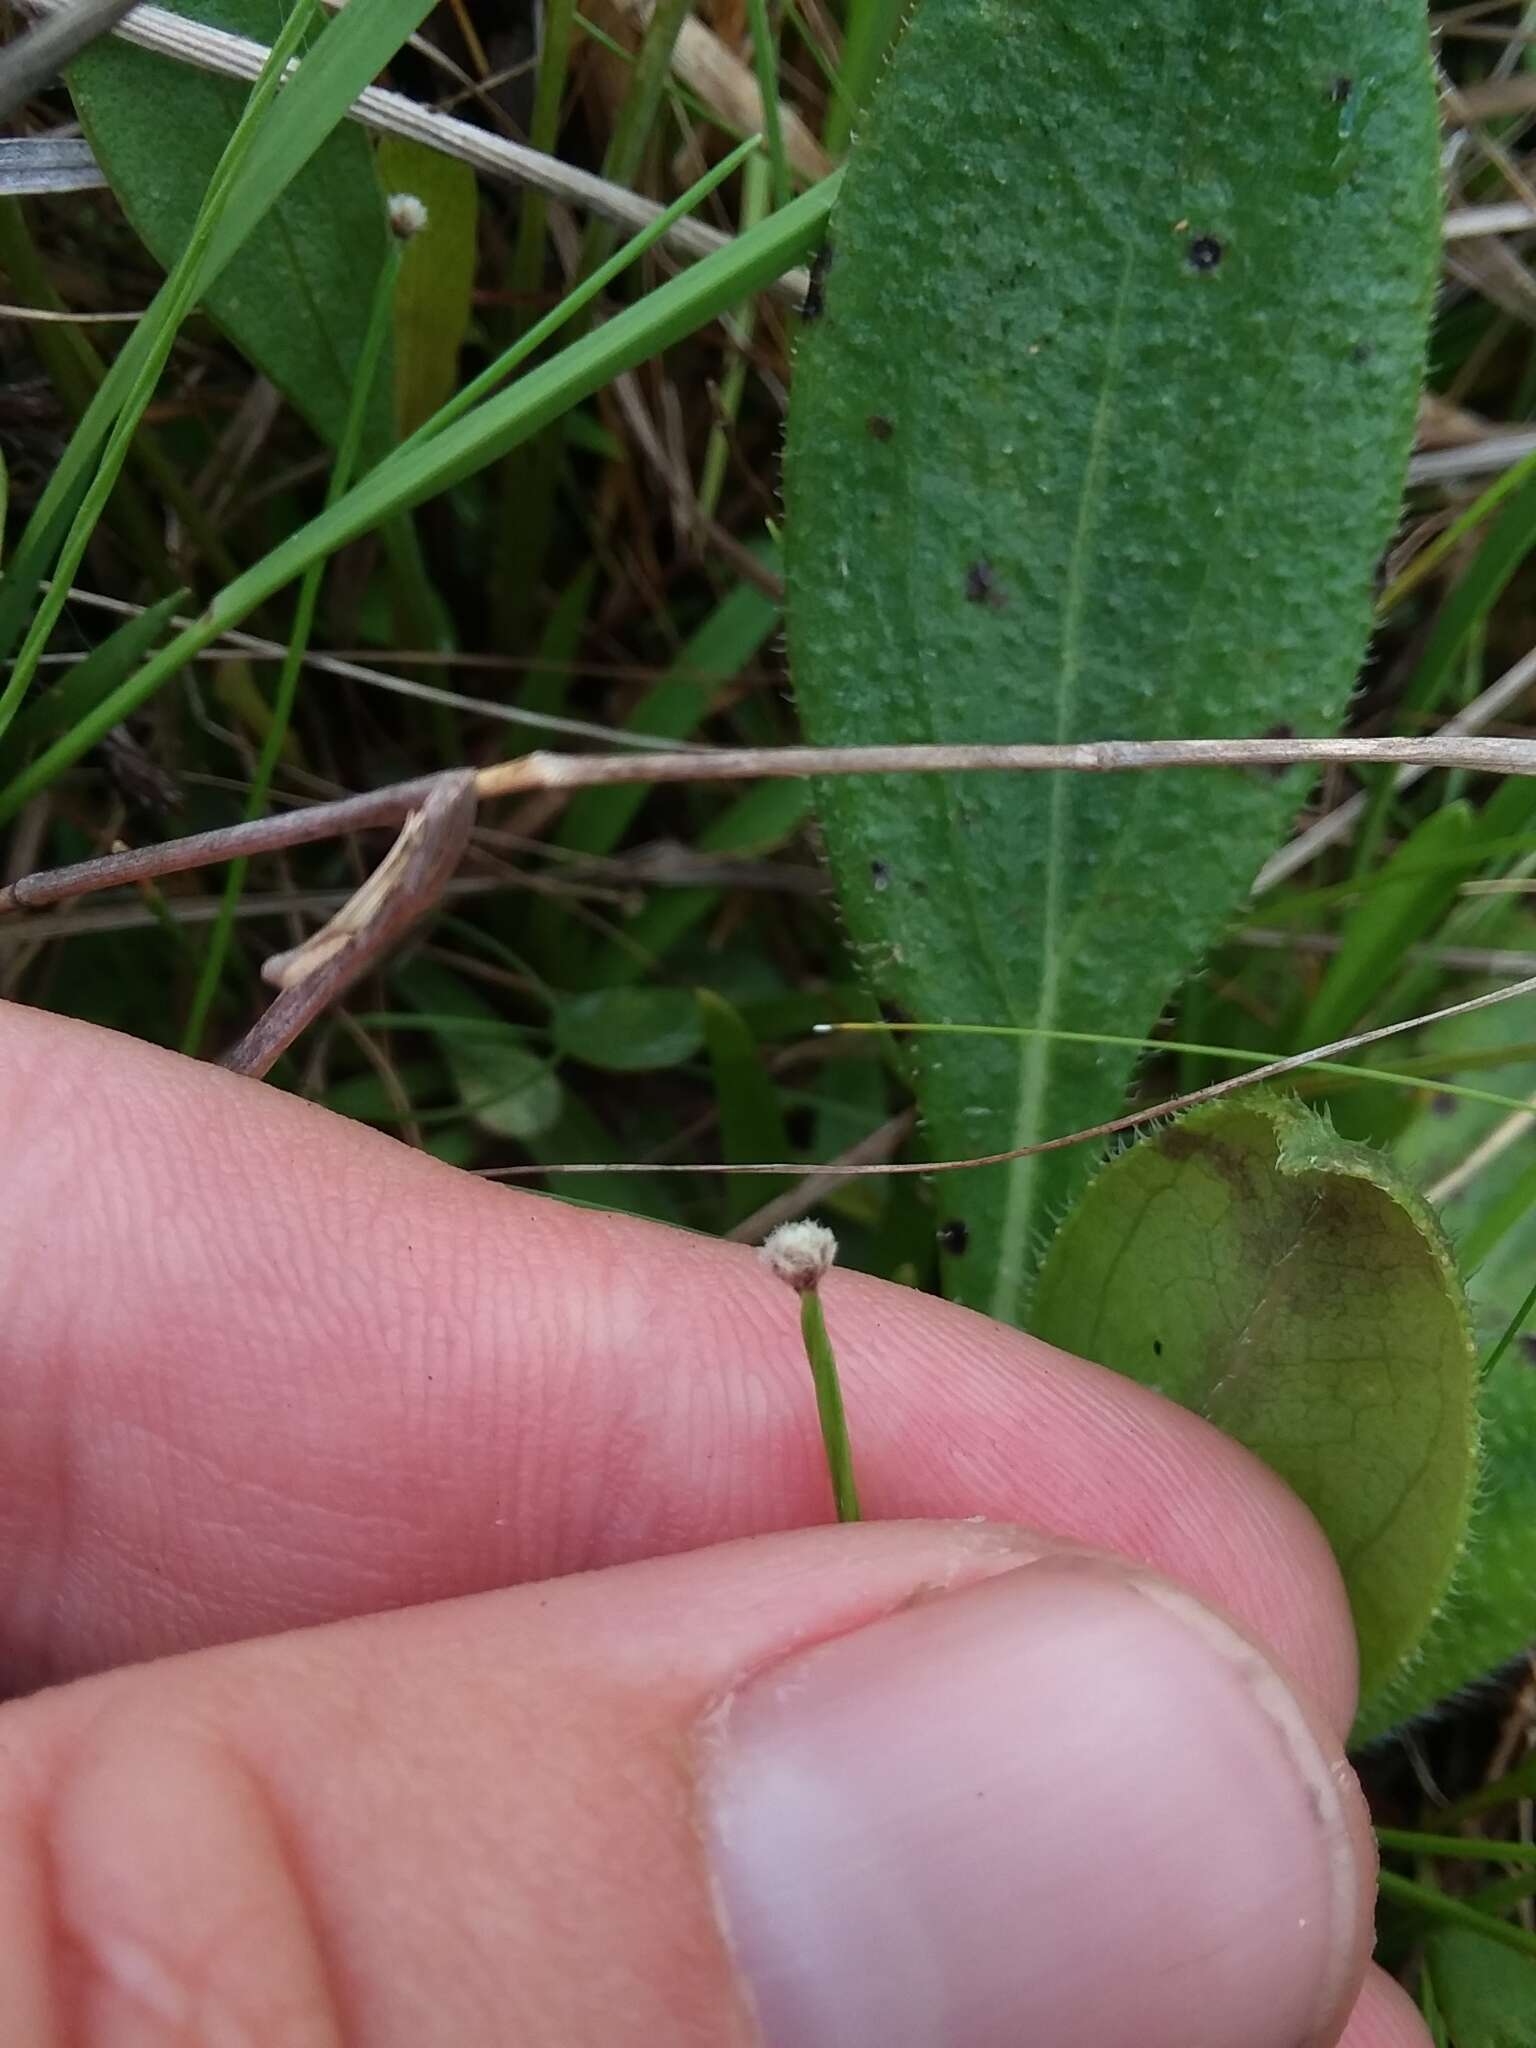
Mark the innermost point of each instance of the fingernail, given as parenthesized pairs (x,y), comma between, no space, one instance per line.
(1069,1807)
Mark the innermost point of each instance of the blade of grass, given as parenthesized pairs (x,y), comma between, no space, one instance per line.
(1515,1325)
(1414,890)
(101,672)
(75,371)
(579,297)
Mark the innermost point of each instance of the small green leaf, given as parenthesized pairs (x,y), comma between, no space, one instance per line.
(1089,268)
(503,1086)
(295,299)
(751,1113)
(1292,1289)
(433,297)
(1486,1992)
(629,1030)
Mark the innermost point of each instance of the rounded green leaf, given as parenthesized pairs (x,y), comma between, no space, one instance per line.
(1292,1289)
(503,1086)
(1486,1992)
(629,1030)
(1099,434)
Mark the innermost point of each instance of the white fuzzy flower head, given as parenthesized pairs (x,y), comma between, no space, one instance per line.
(407,215)
(799,1254)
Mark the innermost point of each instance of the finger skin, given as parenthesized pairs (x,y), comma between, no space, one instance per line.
(260,1367)
(483,1822)
(1384,2017)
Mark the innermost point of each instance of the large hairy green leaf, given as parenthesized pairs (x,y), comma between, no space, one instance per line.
(1294,1290)
(1099,434)
(295,298)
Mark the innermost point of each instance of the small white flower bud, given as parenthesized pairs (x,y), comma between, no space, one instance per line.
(800,1254)
(407,215)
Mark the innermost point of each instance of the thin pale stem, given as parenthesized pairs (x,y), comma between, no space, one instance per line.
(546,771)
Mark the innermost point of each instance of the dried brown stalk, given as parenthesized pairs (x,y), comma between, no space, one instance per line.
(438,813)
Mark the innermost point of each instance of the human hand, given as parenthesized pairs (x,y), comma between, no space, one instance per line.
(664,1773)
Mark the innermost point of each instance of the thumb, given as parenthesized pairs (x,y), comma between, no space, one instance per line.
(888,1787)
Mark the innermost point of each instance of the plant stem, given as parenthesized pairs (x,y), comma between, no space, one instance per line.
(829,1405)
(1411,1843)
(1433,1905)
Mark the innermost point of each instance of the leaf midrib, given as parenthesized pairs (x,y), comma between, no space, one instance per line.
(1036,1054)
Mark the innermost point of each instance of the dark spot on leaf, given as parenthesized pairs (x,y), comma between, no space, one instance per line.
(954,1236)
(1157,1347)
(1340,90)
(1176,1143)
(1528,1347)
(1204,253)
(879,876)
(1361,352)
(982,586)
(800,1125)
(880,426)
(815,301)
(893,1013)
(1442,1105)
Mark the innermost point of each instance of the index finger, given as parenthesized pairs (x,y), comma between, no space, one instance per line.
(260,1367)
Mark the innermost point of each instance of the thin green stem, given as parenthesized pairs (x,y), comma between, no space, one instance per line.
(829,1405)
(1241,1055)
(1429,558)
(1516,1324)
(374,337)
(497,373)
(1411,1843)
(637,117)
(765,59)
(558,28)
(1432,1905)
